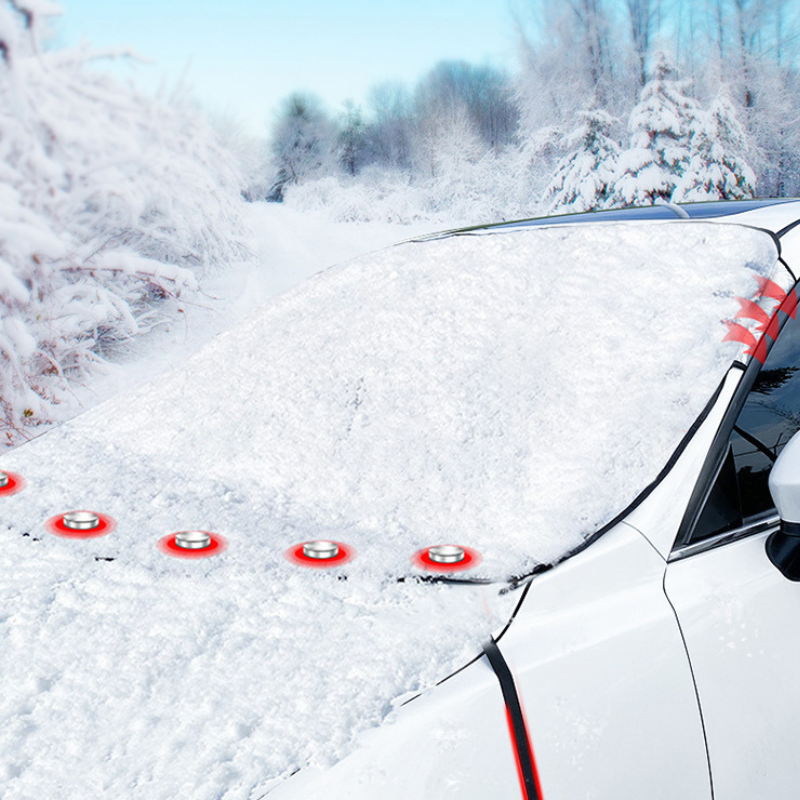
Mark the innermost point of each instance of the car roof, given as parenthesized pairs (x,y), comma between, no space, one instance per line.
(773,214)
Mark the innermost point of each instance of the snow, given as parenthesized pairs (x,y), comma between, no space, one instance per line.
(106,226)
(660,147)
(718,168)
(509,391)
(583,179)
(293,245)
(290,246)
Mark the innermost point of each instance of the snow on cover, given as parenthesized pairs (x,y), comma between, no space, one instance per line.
(509,391)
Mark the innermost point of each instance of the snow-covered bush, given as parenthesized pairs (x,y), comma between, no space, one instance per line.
(478,192)
(374,195)
(111,204)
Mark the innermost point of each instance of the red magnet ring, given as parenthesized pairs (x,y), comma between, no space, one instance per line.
(14,483)
(423,559)
(169,546)
(321,554)
(56,525)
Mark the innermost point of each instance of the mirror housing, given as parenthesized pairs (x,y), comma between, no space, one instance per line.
(783,546)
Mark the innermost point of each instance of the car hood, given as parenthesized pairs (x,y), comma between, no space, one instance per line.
(509,392)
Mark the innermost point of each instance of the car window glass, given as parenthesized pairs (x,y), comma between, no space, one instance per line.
(769,418)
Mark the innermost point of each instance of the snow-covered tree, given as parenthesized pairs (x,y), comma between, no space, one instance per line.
(660,128)
(570,52)
(642,18)
(389,133)
(106,203)
(718,168)
(445,141)
(303,142)
(483,92)
(583,179)
(772,130)
(351,141)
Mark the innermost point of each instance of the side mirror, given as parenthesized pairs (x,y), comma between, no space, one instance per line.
(783,547)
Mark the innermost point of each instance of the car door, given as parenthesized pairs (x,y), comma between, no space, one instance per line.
(739,617)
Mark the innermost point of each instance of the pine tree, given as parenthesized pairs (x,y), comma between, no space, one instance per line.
(660,147)
(584,179)
(718,169)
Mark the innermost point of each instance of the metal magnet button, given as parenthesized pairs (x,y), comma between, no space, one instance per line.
(320,549)
(80,520)
(193,540)
(446,553)
(3,479)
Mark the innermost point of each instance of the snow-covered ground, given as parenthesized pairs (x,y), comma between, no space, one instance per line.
(509,391)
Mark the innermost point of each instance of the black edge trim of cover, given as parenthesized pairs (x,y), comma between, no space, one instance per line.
(788,269)
(640,498)
(446,579)
(511,699)
(540,568)
(518,605)
(789,227)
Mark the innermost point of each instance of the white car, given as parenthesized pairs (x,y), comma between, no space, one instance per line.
(485,515)
(656,662)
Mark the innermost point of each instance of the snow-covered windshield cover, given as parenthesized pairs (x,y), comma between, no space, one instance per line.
(509,391)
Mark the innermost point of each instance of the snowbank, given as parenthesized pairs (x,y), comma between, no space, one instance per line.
(509,391)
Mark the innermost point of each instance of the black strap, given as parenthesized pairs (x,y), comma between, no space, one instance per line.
(520,734)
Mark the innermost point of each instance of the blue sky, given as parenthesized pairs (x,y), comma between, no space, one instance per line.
(243,56)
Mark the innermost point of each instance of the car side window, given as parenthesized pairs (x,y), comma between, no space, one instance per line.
(768,419)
